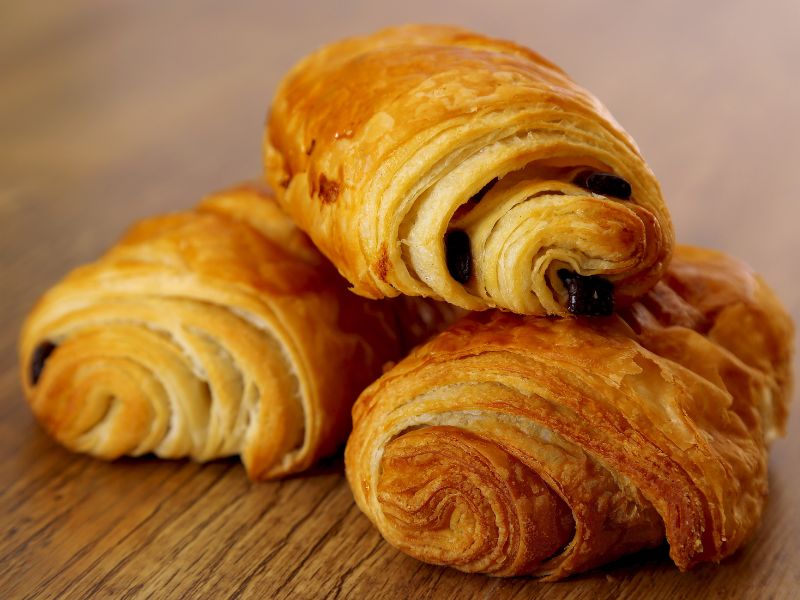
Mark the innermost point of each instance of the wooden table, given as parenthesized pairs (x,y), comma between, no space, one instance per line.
(113,111)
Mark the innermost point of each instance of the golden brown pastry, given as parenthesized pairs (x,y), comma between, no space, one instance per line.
(432,161)
(210,333)
(517,445)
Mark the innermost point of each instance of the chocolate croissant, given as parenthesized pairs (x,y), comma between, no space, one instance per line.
(215,332)
(518,445)
(432,161)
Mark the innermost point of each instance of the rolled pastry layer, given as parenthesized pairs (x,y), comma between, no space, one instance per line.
(515,445)
(210,333)
(432,161)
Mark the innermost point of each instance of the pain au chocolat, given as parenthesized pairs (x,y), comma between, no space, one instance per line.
(433,161)
(515,445)
(215,332)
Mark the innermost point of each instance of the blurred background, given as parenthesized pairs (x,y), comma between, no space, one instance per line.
(110,111)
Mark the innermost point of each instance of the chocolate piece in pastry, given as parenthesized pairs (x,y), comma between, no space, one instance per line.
(515,445)
(214,332)
(432,161)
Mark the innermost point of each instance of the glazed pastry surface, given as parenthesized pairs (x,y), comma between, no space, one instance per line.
(517,445)
(215,332)
(433,161)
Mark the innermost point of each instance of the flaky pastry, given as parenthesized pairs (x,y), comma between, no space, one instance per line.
(433,161)
(208,333)
(518,445)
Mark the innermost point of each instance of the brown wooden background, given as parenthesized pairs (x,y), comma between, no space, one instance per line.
(110,111)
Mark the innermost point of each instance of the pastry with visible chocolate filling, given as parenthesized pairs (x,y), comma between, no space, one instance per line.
(215,332)
(422,131)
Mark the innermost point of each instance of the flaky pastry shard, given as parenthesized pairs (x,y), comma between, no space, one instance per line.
(433,161)
(515,445)
(214,332)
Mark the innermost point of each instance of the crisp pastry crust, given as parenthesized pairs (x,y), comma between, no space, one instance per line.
(215,332)
(520,445)
(378,146)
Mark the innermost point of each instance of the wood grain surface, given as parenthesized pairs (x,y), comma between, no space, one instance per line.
(110,111)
